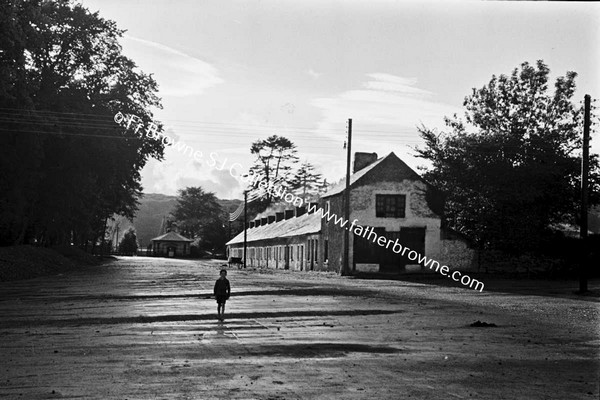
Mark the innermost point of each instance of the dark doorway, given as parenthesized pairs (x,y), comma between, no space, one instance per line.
(368,252)
(287,257)
(171,251)
(414,239)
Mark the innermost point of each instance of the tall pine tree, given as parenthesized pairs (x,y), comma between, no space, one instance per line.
(275,158)
(306,181)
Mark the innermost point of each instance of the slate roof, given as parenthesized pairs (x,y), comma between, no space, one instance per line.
(307,224)
(171,237)
(339,188)
(296,226)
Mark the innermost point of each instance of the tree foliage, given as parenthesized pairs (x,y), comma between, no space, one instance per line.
(511,168)
(306,181)
(275,157)
(128,245)
(199,215)
(66,166)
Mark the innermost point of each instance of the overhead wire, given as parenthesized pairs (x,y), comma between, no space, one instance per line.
(407,142)
(221,129)
(184,136)
(193,124)
(180,122)
(223,132)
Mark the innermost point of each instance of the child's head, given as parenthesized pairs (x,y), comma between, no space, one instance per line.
(223,273)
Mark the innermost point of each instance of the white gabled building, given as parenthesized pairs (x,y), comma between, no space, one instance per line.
(387,198)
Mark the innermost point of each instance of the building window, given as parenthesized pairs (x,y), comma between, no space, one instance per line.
(390,205)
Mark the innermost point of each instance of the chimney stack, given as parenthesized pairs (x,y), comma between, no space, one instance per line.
(264,221)
(271,219)
(362,160)
(278,216)
(289,214)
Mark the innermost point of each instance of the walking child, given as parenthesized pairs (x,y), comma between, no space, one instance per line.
(222,292)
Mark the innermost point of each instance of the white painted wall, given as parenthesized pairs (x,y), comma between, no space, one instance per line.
(418,214)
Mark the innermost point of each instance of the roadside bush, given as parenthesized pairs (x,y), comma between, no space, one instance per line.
(559,257)
(26,262)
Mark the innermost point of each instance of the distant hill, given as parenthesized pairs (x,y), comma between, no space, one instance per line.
(154,206)
(148,219)
(228,205)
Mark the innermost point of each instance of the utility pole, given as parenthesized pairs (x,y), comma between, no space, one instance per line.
(104,237)
(245,224)
(346,256)
(117,241)
(585,168)
(227,252)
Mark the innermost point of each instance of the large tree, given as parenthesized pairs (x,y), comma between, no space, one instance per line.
(511,168)
(128,245)
(199,216)
(66,165)
(275,158)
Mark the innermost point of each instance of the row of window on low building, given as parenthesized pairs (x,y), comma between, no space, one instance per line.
(295,256)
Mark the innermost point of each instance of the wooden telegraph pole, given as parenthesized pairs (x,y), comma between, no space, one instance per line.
(585,168)
(346,263)
(245,224)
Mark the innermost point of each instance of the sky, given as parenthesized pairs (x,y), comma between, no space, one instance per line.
(233,72)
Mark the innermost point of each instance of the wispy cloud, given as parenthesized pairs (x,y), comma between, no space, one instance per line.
(313,73)
(384,101)
(177,73)
(397,84)
(219,182)
(168,177)
(386,110)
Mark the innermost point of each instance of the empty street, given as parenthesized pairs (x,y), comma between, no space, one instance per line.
(146,328)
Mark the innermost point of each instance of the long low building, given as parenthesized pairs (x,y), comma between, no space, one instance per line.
(387,199)
(283,243)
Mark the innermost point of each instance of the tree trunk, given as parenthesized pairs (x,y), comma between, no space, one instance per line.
(21,237)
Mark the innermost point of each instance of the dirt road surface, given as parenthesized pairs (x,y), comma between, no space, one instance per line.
(143,328)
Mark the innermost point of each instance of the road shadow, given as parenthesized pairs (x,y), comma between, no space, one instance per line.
(187,317)
(318,350)
(502,284)
(312,291)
